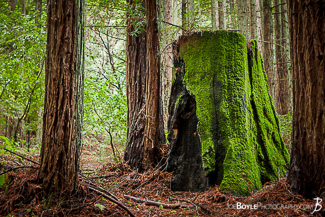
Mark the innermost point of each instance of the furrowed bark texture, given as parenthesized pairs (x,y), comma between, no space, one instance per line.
(136,92)
(63,111)
(223,125)
(145,117)
(152,144)
(307,34)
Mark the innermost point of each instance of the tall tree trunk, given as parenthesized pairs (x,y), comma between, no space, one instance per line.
(282,87)
(222,14)
(166,63)
(38,7)
(152,155)
(259,26)
(190,14)
(136,91)
(243,17)
(287,87)
(278,56)
(252,19)
(144,132)
(268,44)
(307,35)
(233,14)
(215,14)
(184,15)
(63,105)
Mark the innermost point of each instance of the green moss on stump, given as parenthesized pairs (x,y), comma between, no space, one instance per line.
(238,128)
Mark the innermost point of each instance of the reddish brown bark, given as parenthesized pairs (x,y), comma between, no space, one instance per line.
(143,81)
(62,121)
(268,44)
(151,132)
(307,34)
(136,91)
(281,88)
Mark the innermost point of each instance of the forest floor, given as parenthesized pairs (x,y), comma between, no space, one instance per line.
(143,194)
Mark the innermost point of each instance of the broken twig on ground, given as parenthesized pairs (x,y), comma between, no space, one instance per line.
(16,168)
(154,203)
(112,200)
(19,155)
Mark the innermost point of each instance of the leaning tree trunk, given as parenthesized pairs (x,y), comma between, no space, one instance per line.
(63,105)
(307,34)
(222,124)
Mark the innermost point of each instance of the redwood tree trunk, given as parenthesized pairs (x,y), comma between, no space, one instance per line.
(152,153)
(62,121)
(307,34)
(268,44)
(136,90)
(282,96)
(243,15)
(252,19)
(143,80)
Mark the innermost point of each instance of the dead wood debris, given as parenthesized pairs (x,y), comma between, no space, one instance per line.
(21,196)
(158,204)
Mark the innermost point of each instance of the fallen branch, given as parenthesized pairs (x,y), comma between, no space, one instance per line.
(194,204)
(101,177)
(158,204)
(112,200)
(21,156)
(99,188)
(16,168)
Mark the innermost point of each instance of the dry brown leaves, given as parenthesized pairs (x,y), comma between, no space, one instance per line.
(22,197)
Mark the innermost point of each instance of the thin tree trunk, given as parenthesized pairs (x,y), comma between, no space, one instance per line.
(63,105)
(243,18)
(215,14)
(190,14)
(282,88)
(307,35)
(252,17)
(222,14)
(259,26)
(166,47)
(278,57)
(184,15)
(233,14)
(38,7)
(268,44)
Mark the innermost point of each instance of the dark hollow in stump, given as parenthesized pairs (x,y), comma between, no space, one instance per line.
(223,127)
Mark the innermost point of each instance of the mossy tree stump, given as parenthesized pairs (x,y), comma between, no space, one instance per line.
(223,127)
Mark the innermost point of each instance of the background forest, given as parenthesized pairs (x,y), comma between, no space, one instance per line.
(23,43)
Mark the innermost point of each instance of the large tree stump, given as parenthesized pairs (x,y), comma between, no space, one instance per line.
(223,127)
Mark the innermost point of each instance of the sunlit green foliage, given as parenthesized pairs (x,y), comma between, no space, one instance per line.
(105,84)
(22,54)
